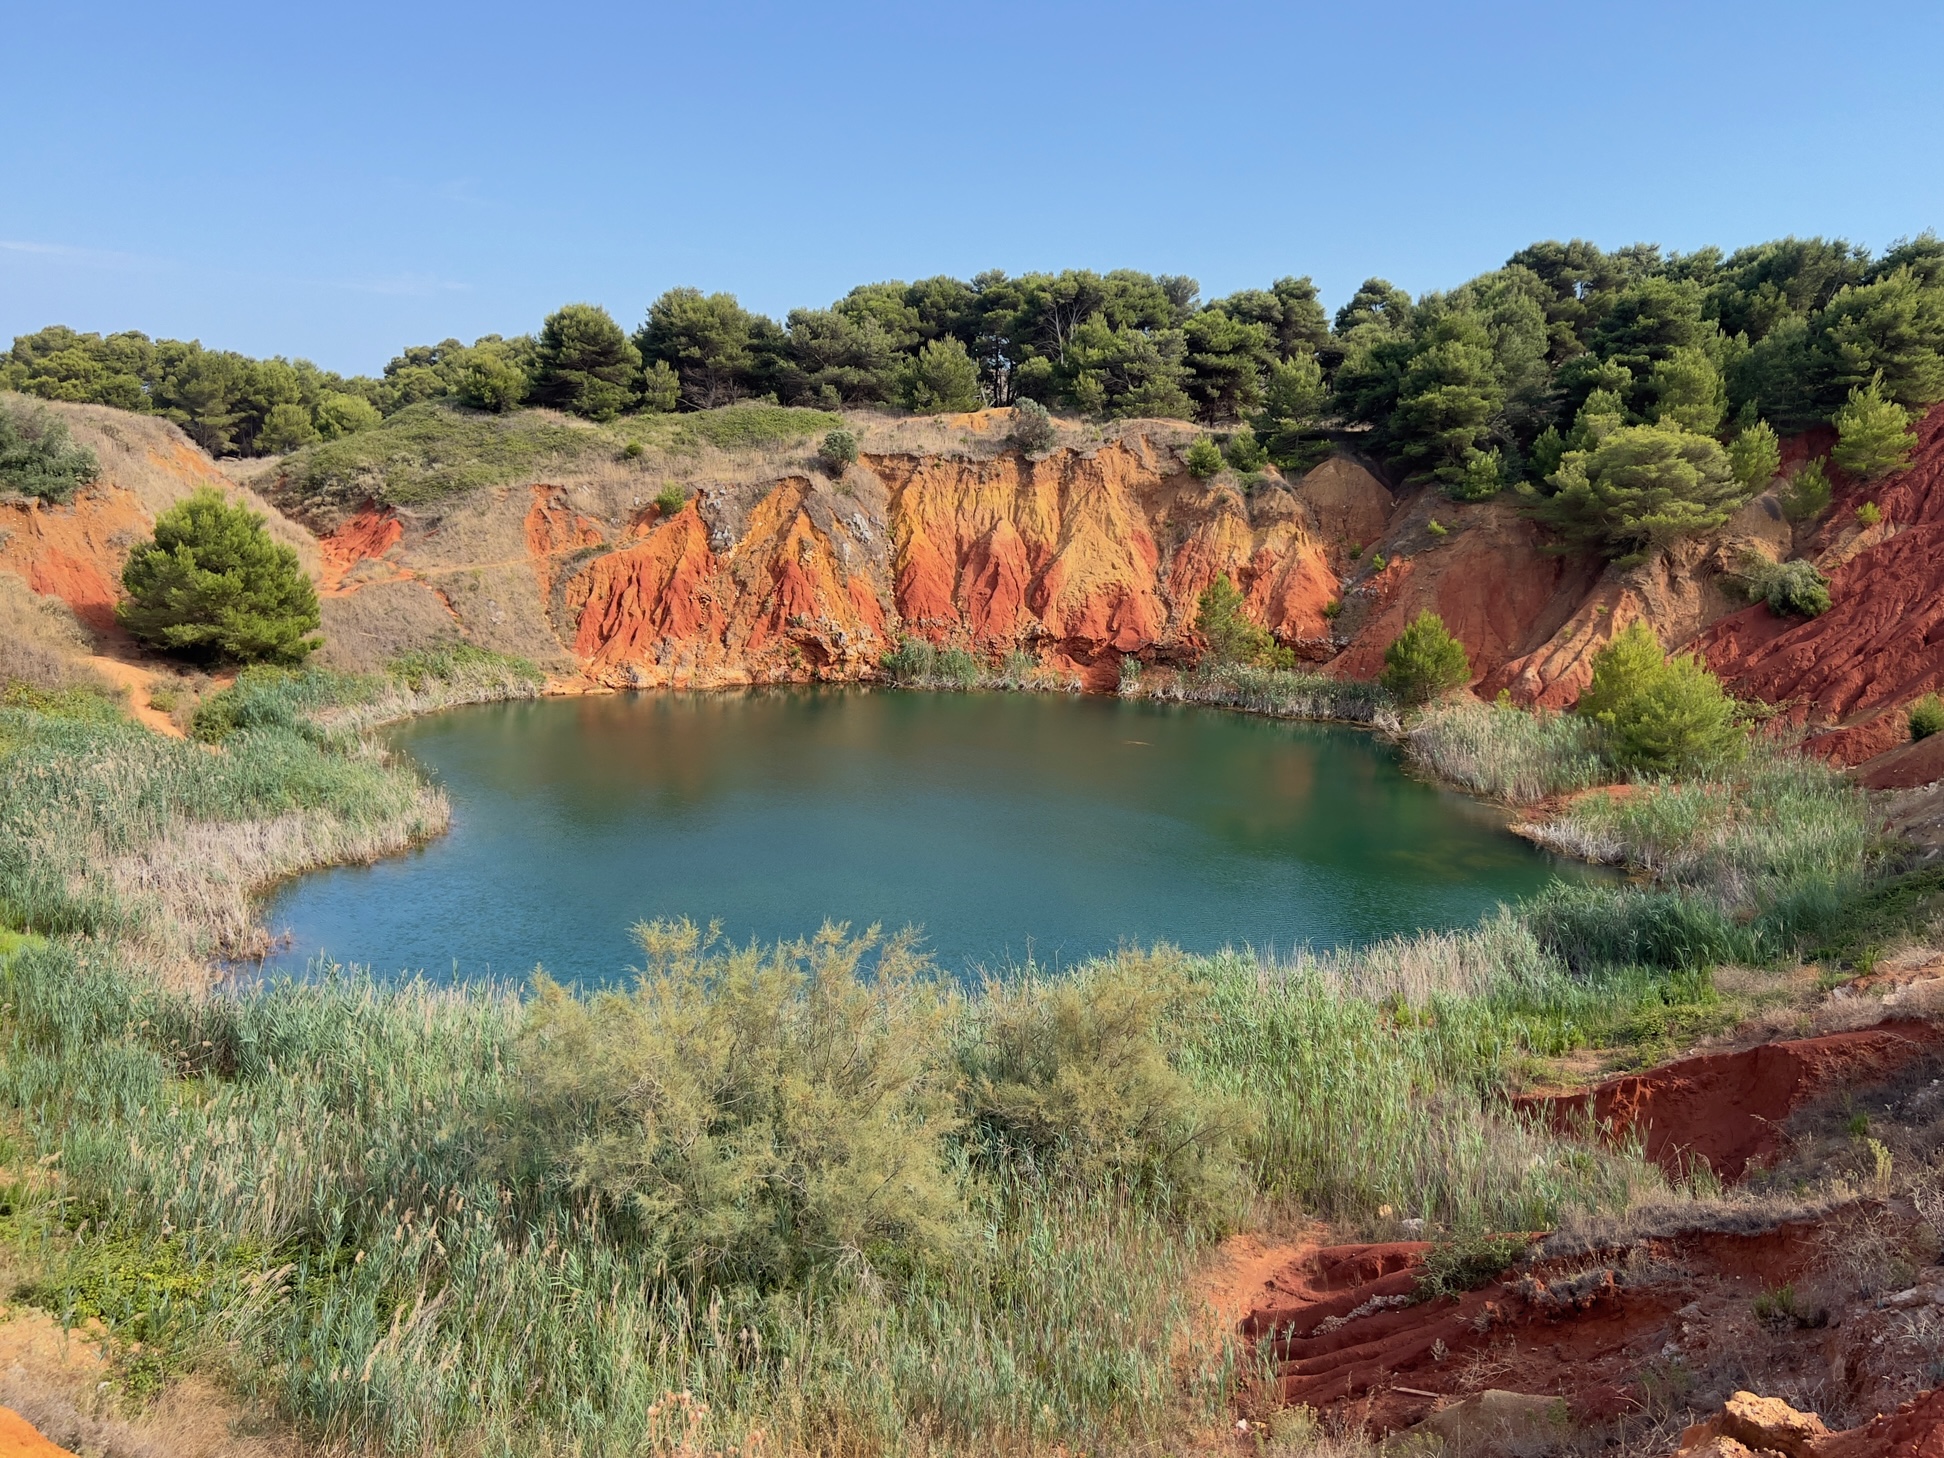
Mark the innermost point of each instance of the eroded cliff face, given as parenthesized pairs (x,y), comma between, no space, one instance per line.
(1852,671)
(1077,558)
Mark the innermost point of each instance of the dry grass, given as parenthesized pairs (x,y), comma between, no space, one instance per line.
(41,642)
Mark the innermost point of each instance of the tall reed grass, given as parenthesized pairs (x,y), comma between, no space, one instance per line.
(1281,692)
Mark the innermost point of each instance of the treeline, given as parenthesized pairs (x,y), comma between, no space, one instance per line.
(1493,384)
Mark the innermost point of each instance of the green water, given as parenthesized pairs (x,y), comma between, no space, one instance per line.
(1005,825)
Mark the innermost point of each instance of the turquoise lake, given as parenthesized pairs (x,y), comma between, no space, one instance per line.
(1006,826)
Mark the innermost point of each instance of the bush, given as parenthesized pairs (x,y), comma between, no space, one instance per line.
(1245,452)
(751,1116)
(1032,429)
(212,586)
(38,458)
(491,380)
(838,451)
(1926,717)
(1795,588)
(1424,662)
(285,428)
(1230,636)
(940,378)
(1873,435)
(1869,514)
(1659,714)
(1073,1075)
(339,415)
(1454,1267)
(1639,486)
(584,363)
(1480,478)
(1203,459)
(1755,455)
(1807,494)
(670,499)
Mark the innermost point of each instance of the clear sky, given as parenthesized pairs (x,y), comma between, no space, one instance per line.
(337,181)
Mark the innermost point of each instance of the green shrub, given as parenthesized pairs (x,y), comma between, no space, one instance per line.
(339,415)
(1204,457)
(285,428)
(1660,714)
(1639,486)
(268,697)
(1032,427)
(1480,478)
(940,378)
(491,379)
(1245,452)
(1794,588)
(584,363)
(749,1115)
(211,585)
(1230,636)
(1873,435)
(910,662)
(1806,496)
(38,458)
(1437,528)
(670,499)
(1453,1267)
(1073,1075)
(1869,514)
(838,451)
(1926,717)
(1424,662)
(1755,455)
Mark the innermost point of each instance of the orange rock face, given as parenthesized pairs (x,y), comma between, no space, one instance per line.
(1078,557)
(781,602)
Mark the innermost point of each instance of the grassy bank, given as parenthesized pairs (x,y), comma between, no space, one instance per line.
(808,1198)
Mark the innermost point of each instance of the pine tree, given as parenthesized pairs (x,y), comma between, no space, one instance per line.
(1425,662)
(213,587)
(1873,435)
(585,363)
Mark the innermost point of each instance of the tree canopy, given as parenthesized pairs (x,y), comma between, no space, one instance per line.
(1478,387)
(212,586)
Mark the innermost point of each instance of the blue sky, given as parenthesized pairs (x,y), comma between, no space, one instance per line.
(338,181)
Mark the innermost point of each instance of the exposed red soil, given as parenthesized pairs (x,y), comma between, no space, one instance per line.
(1914,1430)
(1499,592)
(1727,1109)
(364,536)
(668,608)
(1905,767)
(74,552)
(21,1439)
(1881,644)
(1347,1336)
